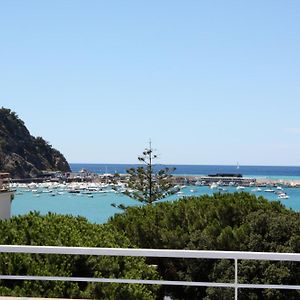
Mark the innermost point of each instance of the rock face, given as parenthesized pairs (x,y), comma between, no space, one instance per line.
(23,155)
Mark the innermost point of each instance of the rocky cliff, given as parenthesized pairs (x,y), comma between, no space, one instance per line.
(23,155)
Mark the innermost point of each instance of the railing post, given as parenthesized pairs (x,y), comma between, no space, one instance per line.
(236,279)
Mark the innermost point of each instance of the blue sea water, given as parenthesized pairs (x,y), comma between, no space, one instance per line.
(247,171)
(98,209)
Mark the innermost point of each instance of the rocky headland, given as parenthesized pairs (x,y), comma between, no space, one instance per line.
(23,155)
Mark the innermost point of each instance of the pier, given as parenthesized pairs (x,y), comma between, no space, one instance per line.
(205,180)
(234,181)
(208,180)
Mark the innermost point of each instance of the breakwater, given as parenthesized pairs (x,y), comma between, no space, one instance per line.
(234,181)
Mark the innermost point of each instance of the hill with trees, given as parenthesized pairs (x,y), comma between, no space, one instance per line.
(23,155)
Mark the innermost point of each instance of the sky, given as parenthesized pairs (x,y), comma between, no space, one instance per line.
(210,82)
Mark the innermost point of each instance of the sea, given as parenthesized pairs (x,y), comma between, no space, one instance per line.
(99,208)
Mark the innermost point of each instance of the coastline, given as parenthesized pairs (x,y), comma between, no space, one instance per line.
(191,179)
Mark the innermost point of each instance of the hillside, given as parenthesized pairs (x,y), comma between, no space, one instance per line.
(23,155)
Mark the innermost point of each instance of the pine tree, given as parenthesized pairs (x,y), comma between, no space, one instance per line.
(148,184)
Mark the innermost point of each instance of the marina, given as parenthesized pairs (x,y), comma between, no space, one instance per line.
(93,200)
(91,189)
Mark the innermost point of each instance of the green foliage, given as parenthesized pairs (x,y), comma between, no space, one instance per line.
(57,230)
(147,184)
(237,221)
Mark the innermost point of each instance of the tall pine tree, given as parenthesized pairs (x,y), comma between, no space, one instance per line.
(147,183)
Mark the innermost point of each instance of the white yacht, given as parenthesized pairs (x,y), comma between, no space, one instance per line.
(214,185)
(240,187)
(283,196)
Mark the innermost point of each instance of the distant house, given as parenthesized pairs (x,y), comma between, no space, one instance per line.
(5,196)
(4,177)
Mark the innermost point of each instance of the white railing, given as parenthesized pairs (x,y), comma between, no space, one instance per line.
(231,255)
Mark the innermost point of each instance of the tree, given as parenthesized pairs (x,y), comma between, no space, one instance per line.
(64,230)
(147,183)
(229,222)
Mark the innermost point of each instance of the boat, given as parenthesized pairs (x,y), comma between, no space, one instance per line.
(74,191)
(199,182)
(213,185)
(269,191)
(87,192)
(240,187)
(283,196)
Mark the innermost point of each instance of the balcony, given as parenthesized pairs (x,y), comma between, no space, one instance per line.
(235,256)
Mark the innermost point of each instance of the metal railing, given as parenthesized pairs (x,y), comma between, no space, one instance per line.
(196,254)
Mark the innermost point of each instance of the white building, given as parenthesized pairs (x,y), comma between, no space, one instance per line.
(5,197)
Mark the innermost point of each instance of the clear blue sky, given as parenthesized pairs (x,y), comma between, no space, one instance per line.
(211,82)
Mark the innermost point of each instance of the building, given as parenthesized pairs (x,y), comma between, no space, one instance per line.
(5,197)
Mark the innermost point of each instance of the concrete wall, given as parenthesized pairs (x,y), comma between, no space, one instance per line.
(5,205)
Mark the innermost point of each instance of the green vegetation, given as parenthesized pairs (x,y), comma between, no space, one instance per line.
(57,230)
(147,184)
(23,155)
(237,221)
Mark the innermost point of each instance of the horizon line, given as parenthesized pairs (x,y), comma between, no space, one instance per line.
(180,164)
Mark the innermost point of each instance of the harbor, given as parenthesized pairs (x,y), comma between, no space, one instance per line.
(92,196)
(110,184)
(89,192)
(222,179)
